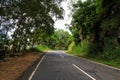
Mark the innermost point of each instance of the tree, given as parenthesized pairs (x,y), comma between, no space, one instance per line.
(30,19)
(98,22)
(84,22)
(59,40)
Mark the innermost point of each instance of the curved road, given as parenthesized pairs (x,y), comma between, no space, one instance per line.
(57,65)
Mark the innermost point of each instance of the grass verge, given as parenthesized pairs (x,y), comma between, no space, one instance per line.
(109,63)
(42,48)
(81,51)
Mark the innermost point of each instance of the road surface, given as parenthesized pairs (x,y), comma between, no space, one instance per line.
(57,65)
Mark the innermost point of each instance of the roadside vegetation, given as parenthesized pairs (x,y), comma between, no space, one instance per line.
(59,40)
(95,27)
(28,27)
(42,48)
(26,24)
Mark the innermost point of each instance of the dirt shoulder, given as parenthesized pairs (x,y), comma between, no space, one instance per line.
(15,67)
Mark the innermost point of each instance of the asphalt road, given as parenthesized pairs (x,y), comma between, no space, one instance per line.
(57,65)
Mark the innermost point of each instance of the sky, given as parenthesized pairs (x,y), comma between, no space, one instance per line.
(60,24)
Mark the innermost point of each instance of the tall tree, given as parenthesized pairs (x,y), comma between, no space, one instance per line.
(84,20)
(98,22)
(59,40)
(28,18)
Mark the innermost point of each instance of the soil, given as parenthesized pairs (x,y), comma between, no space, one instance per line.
(14,67)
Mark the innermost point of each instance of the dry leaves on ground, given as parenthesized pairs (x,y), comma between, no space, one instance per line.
(12,69)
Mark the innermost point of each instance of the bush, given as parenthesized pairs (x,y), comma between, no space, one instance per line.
(71,46)
(111,50)
(79,49)
(42,48)
(92,50)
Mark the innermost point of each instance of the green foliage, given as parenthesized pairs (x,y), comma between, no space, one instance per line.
(42,48)
(79,49)
(98,23)
(83,49)
(59,40)
(71,47)
(93,51)
(111,51)
(84,20)
(39,48)
(31,20)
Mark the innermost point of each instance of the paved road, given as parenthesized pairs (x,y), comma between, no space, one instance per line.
(57,65)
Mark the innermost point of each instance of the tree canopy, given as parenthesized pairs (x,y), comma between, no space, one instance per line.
(98,22)
(59,40)
(29,20)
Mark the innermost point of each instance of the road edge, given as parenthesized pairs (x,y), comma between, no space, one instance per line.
(31,76)
(95,62)
(26,74)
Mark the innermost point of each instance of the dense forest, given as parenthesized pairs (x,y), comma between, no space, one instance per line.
(28,22)
(95,27)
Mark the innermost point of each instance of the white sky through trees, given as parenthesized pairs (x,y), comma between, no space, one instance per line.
(60,24)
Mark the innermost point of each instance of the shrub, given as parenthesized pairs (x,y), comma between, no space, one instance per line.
(111,50)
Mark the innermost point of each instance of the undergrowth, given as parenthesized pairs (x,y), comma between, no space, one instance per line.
(110,54)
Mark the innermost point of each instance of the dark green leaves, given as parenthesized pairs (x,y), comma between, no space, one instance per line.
(30,19)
